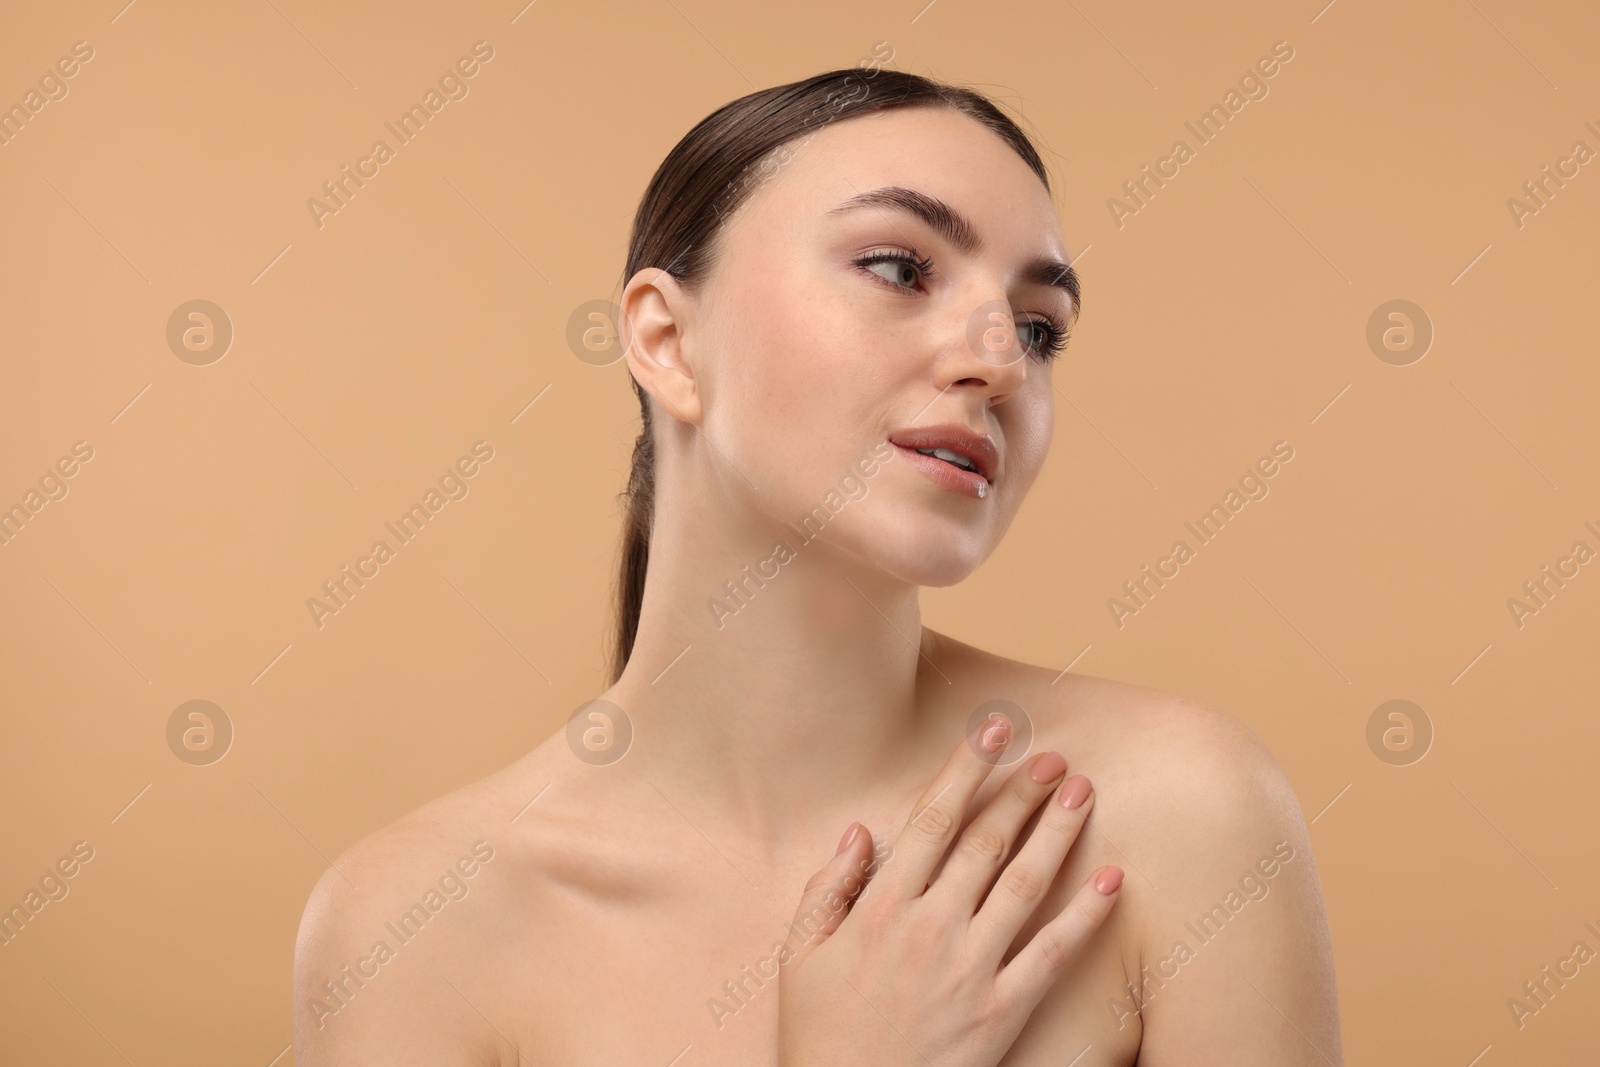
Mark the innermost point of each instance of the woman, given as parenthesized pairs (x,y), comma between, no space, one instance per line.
(842,301)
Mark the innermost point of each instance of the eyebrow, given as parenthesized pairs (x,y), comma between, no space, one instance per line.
(960,232)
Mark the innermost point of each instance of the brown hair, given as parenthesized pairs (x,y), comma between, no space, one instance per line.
(704,179)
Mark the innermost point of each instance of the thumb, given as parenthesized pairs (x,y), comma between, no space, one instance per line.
(827,896)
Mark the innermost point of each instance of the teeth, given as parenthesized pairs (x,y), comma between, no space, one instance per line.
(951,457)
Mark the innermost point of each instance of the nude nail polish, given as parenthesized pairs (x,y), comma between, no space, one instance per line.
(1048,767)
(1108,880)
(1074,791)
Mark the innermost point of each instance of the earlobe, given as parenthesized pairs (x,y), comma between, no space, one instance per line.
(655,317)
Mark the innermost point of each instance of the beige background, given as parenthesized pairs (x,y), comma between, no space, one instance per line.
(1227,314)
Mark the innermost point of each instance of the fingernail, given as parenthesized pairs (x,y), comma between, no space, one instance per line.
(849,836)
(994,737)
(1048,767)
(1074,791)
(1108,880)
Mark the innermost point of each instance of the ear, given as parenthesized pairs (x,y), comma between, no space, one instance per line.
(655,313)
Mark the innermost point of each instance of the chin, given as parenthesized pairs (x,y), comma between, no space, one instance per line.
(930,556)
(943,569)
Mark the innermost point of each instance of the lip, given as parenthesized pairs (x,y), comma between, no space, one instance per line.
(980,448)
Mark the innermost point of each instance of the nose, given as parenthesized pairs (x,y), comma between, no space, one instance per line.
(986,355)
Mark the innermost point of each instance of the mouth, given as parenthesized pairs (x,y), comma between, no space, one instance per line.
(950,457)
(953,456)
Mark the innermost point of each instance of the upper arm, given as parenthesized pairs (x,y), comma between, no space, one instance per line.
(361,994)
(1237,959)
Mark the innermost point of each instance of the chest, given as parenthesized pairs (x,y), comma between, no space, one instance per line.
(696,983)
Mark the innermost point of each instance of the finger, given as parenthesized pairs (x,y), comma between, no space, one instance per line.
(1020,887)
(1029,976)
(988,840)
(932,824)
(826,898)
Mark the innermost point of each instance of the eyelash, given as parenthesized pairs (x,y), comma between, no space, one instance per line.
(1051,349)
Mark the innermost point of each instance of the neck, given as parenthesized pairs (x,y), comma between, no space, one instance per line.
(774,681)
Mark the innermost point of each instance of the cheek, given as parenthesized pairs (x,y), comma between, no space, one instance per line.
(801,388)
(820,349)
(1028,437)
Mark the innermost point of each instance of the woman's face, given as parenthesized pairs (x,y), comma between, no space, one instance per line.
(806,361)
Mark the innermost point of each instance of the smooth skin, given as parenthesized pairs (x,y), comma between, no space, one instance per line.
(914,976)
(632,910)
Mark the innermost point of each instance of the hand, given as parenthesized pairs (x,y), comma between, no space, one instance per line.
(911,975)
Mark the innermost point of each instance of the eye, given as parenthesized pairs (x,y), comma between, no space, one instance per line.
(1054,339)
(909,266)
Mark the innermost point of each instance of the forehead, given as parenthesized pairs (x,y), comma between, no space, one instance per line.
(934,150)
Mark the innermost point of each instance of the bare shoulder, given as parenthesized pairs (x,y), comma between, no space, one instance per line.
(1188,797)
(398,943)
(1194,792)
(1221,882)
(1174,758)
